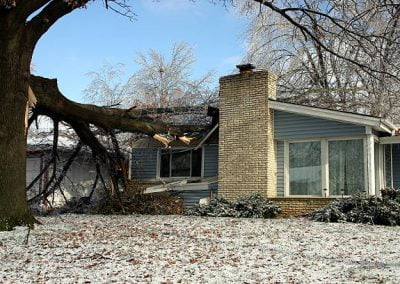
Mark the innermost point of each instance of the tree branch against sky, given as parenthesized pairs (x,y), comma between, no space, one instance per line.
(343,55)
(366,24)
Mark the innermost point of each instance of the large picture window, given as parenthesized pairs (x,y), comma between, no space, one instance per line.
(305,168)
(180,163)
(346,167)
(325,167)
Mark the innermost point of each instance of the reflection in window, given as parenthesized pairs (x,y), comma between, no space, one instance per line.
(180,163)
(305,168)
(346,167)
(388,166)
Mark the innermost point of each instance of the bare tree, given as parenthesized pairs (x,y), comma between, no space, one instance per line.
(167,81)
(338,54)
(107,87)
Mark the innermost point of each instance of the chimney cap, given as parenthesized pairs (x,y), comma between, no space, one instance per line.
(245,67)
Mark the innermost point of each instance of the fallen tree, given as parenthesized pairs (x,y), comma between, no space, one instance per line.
(83,118)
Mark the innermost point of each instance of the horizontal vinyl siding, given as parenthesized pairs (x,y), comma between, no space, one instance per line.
(213,187)
(144,163)
(396,165)
(280,170)
(191,197)
(289,126)
(210,160)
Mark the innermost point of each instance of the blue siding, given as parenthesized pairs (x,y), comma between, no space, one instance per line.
(210,160)
(144,163)
(396,165)
(280,170)
(213,186)
(289,125)
(191,197)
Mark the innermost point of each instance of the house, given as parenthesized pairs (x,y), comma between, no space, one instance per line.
(300,156)
(81,173)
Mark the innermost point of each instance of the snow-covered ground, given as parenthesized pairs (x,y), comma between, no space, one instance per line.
(178,249)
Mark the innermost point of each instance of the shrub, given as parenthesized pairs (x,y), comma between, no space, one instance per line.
(383,210)
(249,206)
(151,204)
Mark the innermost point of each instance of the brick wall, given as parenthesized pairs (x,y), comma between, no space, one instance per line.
(292,206)
(246,143)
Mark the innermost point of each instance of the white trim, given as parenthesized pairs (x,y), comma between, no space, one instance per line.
(364,120)
(368,130)
(381,181)
(390,140)
(365,164)
(371,164)
(324,167)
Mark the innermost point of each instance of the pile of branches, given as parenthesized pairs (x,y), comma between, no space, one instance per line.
(374,210)
(151,204)
(248,206)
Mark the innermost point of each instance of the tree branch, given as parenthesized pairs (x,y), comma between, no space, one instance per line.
(55,10)
(52,103)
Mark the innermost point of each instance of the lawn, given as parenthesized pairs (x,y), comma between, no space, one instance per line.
(179,249)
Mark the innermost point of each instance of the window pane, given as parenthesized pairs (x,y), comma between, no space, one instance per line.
(164,167)
(196,163)
(180,164)
(388,165)
(305,168)
(346,167)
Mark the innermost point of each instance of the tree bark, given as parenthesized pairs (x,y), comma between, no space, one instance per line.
(51,102)
(14,81)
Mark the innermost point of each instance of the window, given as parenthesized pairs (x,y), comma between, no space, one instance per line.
(180,163)
(334,165)
(305,168)
(388,166)
(346,167)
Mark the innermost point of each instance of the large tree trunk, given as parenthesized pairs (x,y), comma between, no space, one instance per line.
(14,82)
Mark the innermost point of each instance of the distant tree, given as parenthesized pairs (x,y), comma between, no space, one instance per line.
(160,82)
(167,81)
(338,54)
(106,87)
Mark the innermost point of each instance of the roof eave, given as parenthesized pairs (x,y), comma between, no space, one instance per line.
(359,119)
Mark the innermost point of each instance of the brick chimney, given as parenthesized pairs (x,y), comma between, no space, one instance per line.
(246,139)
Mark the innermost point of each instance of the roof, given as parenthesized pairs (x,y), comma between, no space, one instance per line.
(374,122)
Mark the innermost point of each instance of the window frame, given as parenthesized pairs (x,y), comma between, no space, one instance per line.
(324,163)
(170,163)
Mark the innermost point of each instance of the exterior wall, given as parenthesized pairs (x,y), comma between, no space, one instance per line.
(246,146)
(210,168)
(292,126)
(396,165)
(144,163)
(295,126)
(300,206)
(81,176)
(191,197)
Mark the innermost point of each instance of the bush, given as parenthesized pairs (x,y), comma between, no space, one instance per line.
(151,204)
(383,210)
(249,206)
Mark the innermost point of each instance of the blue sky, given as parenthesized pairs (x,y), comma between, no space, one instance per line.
(82,41)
